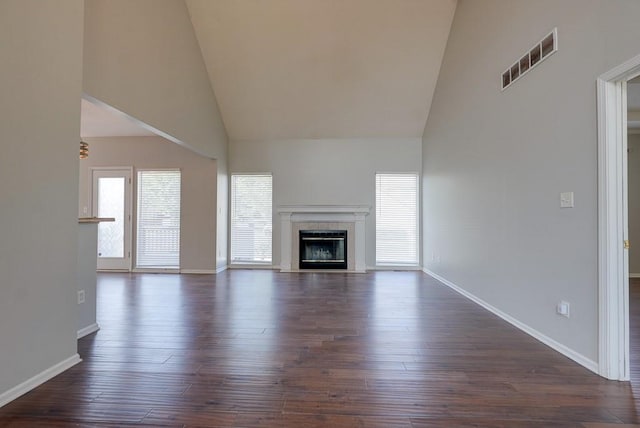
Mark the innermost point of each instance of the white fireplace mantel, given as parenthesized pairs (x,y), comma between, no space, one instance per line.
(290,214)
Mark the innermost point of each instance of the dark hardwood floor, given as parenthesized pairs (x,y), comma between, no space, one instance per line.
(265,349)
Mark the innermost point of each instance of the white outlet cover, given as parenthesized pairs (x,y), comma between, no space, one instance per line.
(566,200)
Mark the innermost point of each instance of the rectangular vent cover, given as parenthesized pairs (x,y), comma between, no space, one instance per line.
(534,56)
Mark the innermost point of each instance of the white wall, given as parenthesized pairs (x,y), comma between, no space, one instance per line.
(87,277)
(495,162)
(142,57)
(325,172)
(198,189)
(41,84)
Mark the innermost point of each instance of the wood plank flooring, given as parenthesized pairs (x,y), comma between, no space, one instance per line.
(264,349)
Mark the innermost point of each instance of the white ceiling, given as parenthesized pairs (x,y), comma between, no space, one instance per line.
(286,69)
(102,121)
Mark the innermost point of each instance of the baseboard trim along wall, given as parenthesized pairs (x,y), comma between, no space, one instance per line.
(557,346)
(634,275)
(88,330)
(156,270)
(198,271)
(222,268)
(252,266)
(39,379)
(393,268)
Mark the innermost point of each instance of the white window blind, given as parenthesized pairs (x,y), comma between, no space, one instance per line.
(397,219)
(251,223)
(158,226)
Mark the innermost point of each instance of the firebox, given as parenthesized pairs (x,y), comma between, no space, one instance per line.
(323,249)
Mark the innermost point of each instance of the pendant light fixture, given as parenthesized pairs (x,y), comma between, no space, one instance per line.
(84,150)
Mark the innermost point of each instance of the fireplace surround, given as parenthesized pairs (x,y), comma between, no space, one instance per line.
(294,218)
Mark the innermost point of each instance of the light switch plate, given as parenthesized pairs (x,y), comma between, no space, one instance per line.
(563,308)
(566,200)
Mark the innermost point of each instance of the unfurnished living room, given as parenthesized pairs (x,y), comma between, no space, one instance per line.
(314,213)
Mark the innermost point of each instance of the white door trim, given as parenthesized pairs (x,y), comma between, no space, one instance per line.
(613,273)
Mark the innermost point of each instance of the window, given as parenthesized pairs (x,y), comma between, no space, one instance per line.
(158,230)
(251,223)
(397,219)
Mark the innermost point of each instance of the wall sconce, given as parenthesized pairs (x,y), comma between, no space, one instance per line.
(84,150)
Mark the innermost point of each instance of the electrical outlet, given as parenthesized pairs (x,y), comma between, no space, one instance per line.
(566,200)
(80,296)
(563,308)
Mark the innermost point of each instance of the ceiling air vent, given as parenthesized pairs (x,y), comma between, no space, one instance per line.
(538,53)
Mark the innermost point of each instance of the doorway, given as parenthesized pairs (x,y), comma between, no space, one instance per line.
(613,230)
(111,197)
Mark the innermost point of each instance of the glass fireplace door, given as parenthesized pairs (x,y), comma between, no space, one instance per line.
(323,249)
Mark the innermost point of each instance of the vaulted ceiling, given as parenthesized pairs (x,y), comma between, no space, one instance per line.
(304,69)
(97,120)
(288,69)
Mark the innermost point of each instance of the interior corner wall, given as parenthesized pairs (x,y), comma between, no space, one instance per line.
(326,172)
(495,162)
(142,58)
(634,203)
(198,189)
(41,84)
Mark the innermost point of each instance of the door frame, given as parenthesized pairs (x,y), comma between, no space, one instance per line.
(128,215)
(613,257)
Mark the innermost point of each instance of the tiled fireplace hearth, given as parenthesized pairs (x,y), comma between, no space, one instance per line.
(350,218)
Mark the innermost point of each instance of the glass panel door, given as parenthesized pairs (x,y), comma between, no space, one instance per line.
(111,194)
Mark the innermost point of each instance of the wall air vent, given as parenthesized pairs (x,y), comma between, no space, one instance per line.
(538,53)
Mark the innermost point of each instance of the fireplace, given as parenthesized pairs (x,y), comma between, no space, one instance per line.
(294,218)
(323,249)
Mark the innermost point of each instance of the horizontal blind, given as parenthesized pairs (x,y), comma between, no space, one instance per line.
(396,219)
(251,218)
(158,230)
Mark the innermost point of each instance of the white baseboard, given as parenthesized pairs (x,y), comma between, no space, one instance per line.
(322,271)
(222,268)
(37,380)
(156,270)
(394,268)
(634,275)
(567,352)
(252,266)
(198,271)
(88,330)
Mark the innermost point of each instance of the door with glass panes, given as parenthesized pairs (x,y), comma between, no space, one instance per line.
(111,197)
